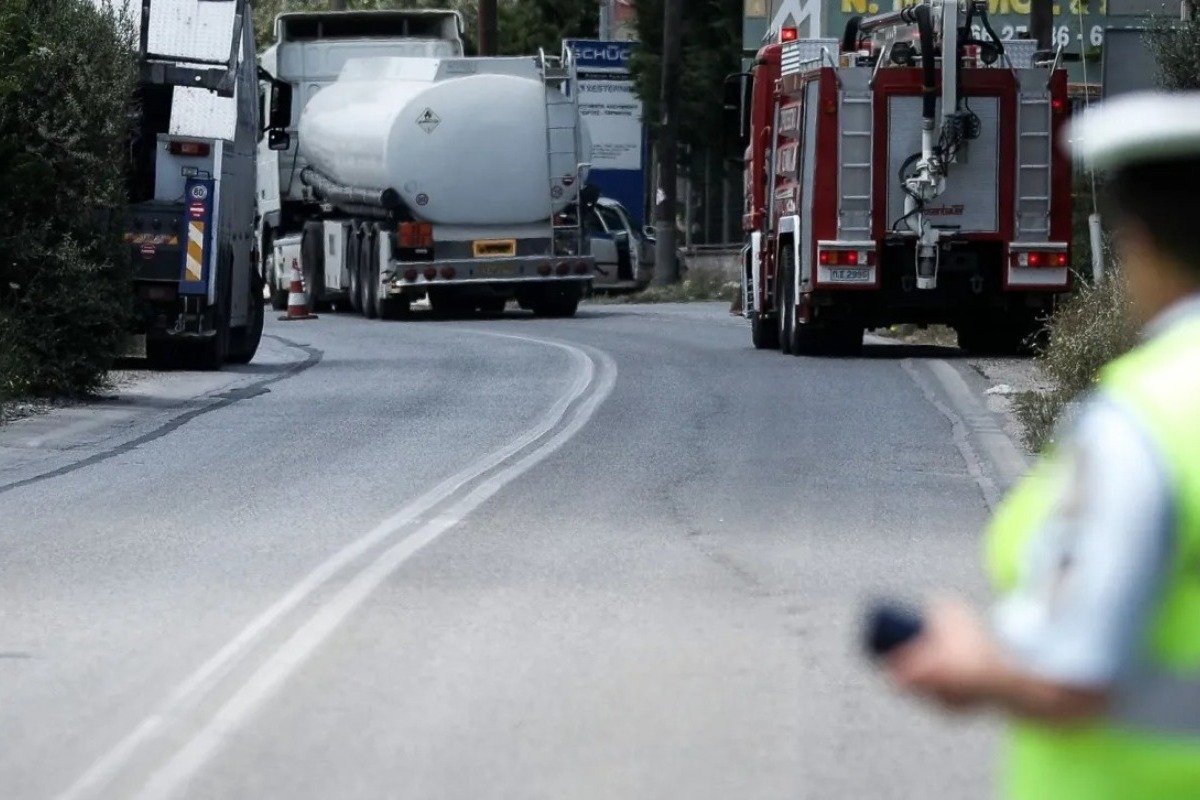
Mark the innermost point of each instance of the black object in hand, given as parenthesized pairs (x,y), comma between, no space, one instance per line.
(889,626)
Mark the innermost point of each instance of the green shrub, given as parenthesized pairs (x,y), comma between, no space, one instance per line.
(67,77)
(1090,329)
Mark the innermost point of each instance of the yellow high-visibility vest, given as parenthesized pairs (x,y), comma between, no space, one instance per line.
(1148,747)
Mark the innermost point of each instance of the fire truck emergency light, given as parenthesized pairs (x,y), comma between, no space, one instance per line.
(789,34)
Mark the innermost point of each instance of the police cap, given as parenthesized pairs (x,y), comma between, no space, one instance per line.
(1136,128)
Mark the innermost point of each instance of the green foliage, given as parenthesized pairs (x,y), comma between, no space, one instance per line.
(66,91)
(712,49)
(1175,45)
(1093,327)
(524,25)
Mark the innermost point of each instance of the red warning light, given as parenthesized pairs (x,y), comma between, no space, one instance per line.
(789,35)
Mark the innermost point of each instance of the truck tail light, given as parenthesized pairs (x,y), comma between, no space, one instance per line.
(430,274)
(416,234)
(189,149)
(1036,258)
(846,258)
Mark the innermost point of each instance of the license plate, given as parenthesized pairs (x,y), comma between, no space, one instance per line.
(492,270)
(494,247)
(850,276)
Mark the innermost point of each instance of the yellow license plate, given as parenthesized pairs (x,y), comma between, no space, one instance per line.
(494,247)
(492,270)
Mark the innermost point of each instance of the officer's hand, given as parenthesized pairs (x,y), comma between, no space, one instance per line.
(950,660)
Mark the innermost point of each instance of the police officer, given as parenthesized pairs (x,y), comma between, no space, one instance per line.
(1094,648)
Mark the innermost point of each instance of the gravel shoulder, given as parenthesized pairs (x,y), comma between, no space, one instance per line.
(120,380)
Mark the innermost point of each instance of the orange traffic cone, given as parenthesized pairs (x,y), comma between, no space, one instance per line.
(297,299)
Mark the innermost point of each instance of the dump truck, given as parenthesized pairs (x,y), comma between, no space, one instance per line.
(191,227)
(408,170)
(910,172)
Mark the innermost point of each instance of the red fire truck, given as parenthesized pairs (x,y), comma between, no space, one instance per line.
(909,173)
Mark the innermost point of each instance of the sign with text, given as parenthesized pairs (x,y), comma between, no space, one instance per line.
(612,113)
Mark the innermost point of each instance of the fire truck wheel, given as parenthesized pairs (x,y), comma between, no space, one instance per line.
(786,303)
(763,332)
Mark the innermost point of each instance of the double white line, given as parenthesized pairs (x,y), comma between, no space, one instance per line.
(396,539)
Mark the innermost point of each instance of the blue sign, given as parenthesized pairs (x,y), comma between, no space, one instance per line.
(598,54)
(197,236)
(612,113)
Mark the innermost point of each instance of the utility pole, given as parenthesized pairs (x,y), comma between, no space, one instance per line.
(488,28)
(605,19)
(1041,23)
(666,270)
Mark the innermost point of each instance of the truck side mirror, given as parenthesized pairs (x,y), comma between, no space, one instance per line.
(281,105)
(278,139)
(737,110)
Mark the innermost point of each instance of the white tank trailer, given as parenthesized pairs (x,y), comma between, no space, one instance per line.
(454,178)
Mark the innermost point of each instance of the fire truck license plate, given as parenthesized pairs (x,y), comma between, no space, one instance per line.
(850,275)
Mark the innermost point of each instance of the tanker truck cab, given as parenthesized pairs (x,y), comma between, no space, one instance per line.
(430,175)
(308,53)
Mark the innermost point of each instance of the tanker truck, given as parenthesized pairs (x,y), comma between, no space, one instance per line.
(411,171)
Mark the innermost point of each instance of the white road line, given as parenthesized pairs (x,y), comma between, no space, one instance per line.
(292,655)
(203,680)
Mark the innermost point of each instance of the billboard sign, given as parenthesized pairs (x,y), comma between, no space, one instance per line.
(613,114)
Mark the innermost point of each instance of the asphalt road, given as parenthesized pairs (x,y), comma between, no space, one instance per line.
(618,556)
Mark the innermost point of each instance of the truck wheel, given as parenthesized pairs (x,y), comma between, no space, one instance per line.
(785,304)
(355,289)
(279,298)
(393,308)
(312,266)
(369,258)
(212,352)
(763,332)
(246,340)
(354,265)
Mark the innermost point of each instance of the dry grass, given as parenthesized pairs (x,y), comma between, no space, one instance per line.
(699,288)
(1087,332)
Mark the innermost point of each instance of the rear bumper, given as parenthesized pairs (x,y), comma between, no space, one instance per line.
(423,275)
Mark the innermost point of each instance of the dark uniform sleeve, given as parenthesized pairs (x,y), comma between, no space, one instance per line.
(1093,571)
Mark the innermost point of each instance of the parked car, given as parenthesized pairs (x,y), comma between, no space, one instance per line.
(618,248)
(624,253)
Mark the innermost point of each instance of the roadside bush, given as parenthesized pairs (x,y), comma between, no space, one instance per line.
(67,77)
(1089,330)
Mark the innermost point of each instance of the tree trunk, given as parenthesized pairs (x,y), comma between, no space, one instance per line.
(666,269)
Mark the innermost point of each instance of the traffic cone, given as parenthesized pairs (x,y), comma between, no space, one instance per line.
(297,299)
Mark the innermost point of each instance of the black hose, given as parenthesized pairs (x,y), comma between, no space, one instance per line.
(920,15)
(987,26)
(850,37)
